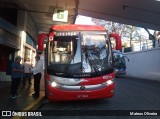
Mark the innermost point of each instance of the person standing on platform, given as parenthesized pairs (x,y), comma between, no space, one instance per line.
(38,68)
(16,75)
(27,71)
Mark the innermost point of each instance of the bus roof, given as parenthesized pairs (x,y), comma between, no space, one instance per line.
(75,27)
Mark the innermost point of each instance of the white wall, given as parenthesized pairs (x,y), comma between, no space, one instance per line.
(144,64)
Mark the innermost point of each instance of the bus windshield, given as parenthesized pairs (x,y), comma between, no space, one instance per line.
(84,53)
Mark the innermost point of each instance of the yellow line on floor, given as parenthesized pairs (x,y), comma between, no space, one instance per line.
(29,107)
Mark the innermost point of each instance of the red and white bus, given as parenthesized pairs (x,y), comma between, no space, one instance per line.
(78,62)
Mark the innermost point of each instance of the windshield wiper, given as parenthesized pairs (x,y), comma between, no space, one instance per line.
(68,65)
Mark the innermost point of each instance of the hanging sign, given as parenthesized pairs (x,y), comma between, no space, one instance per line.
(60,15)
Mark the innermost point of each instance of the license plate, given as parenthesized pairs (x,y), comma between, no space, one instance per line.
(82,96)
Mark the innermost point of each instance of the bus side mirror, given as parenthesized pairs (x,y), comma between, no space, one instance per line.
(41,41)
(118,42)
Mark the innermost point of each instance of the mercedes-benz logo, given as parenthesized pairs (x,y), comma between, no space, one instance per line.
(82,87)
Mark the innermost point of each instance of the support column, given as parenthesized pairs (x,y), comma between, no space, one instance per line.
(22,25)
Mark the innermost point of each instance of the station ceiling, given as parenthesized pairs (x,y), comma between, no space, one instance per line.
(42,10)
(143,13)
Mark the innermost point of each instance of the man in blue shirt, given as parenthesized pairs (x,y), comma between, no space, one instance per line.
(16,76)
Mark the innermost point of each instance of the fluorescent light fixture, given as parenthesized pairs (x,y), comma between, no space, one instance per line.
(23,39)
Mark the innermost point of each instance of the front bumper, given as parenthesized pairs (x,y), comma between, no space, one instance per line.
(65,93)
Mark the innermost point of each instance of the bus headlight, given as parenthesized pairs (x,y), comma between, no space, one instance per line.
(53,84)
(109,82)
